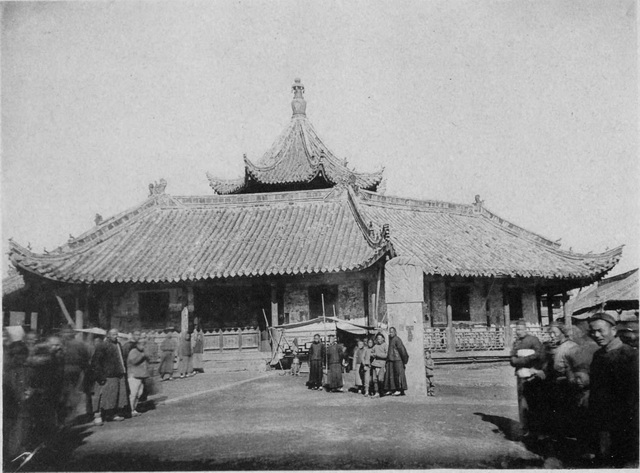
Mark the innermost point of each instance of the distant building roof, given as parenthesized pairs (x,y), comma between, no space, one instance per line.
(619,292)
(299,158)
(191,238)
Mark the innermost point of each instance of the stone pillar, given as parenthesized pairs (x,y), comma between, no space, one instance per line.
(184,320)
(403,285)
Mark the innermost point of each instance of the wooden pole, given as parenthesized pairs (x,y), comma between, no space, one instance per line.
(550,306)
(378,293)
(65,311)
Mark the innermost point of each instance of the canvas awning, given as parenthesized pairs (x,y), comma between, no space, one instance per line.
(330,323)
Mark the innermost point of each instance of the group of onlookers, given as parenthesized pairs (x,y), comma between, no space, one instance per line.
(582,387)
(44,380)
(378,366)
(189,349)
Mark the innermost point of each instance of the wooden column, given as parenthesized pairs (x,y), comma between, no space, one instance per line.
(274,306)
(451,335)
(565,309)
(550,306)
(539,306)
(506,311)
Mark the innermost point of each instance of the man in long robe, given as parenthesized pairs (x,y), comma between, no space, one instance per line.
(108,366)
(335,355)
(527,357)
(316,359)
(395,381)
(613,401)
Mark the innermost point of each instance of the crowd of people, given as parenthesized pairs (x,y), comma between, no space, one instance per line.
(378,366)
(45,380)
(582,387)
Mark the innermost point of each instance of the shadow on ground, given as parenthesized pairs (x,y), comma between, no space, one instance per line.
(510,428)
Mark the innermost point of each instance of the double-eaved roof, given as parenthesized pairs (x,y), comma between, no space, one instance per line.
(297,159)
(330,222)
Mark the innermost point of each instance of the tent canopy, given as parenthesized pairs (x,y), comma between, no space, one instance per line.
(319,325)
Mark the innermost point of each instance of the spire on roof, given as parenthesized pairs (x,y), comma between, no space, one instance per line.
(298,104)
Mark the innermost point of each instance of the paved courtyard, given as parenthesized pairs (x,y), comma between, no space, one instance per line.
(249,420)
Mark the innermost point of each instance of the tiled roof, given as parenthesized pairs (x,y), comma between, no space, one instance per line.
(192,238)
(298,156)
(468,240)
(14,282)
(621,291)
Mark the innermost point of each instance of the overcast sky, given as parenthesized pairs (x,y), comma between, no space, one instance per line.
(531,104)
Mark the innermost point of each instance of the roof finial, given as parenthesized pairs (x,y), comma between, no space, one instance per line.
(298,104)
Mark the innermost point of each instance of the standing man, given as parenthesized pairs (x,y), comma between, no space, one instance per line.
(109,370)
(316,358)
(527,359)
(562,398)
(335,355)
(395,381)
(613,400)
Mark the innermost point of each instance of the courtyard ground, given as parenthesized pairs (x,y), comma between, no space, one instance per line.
(250,420)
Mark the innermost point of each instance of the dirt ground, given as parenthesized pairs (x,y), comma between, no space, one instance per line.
(269,421)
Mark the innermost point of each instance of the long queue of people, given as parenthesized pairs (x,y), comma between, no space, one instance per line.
(378,366)
(580,388)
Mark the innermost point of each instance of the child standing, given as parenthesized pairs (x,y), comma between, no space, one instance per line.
(379,359)
(429,365)
(361,367)
(295,364)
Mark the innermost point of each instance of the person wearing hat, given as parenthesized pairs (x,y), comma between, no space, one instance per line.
(613,398)
(527,357)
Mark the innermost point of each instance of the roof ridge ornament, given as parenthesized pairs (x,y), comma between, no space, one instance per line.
(298,104)
(157,188)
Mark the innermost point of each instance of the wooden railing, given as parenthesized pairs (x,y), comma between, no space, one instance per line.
(225,340)
(473,339)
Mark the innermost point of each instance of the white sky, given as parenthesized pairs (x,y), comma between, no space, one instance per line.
(531,104)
